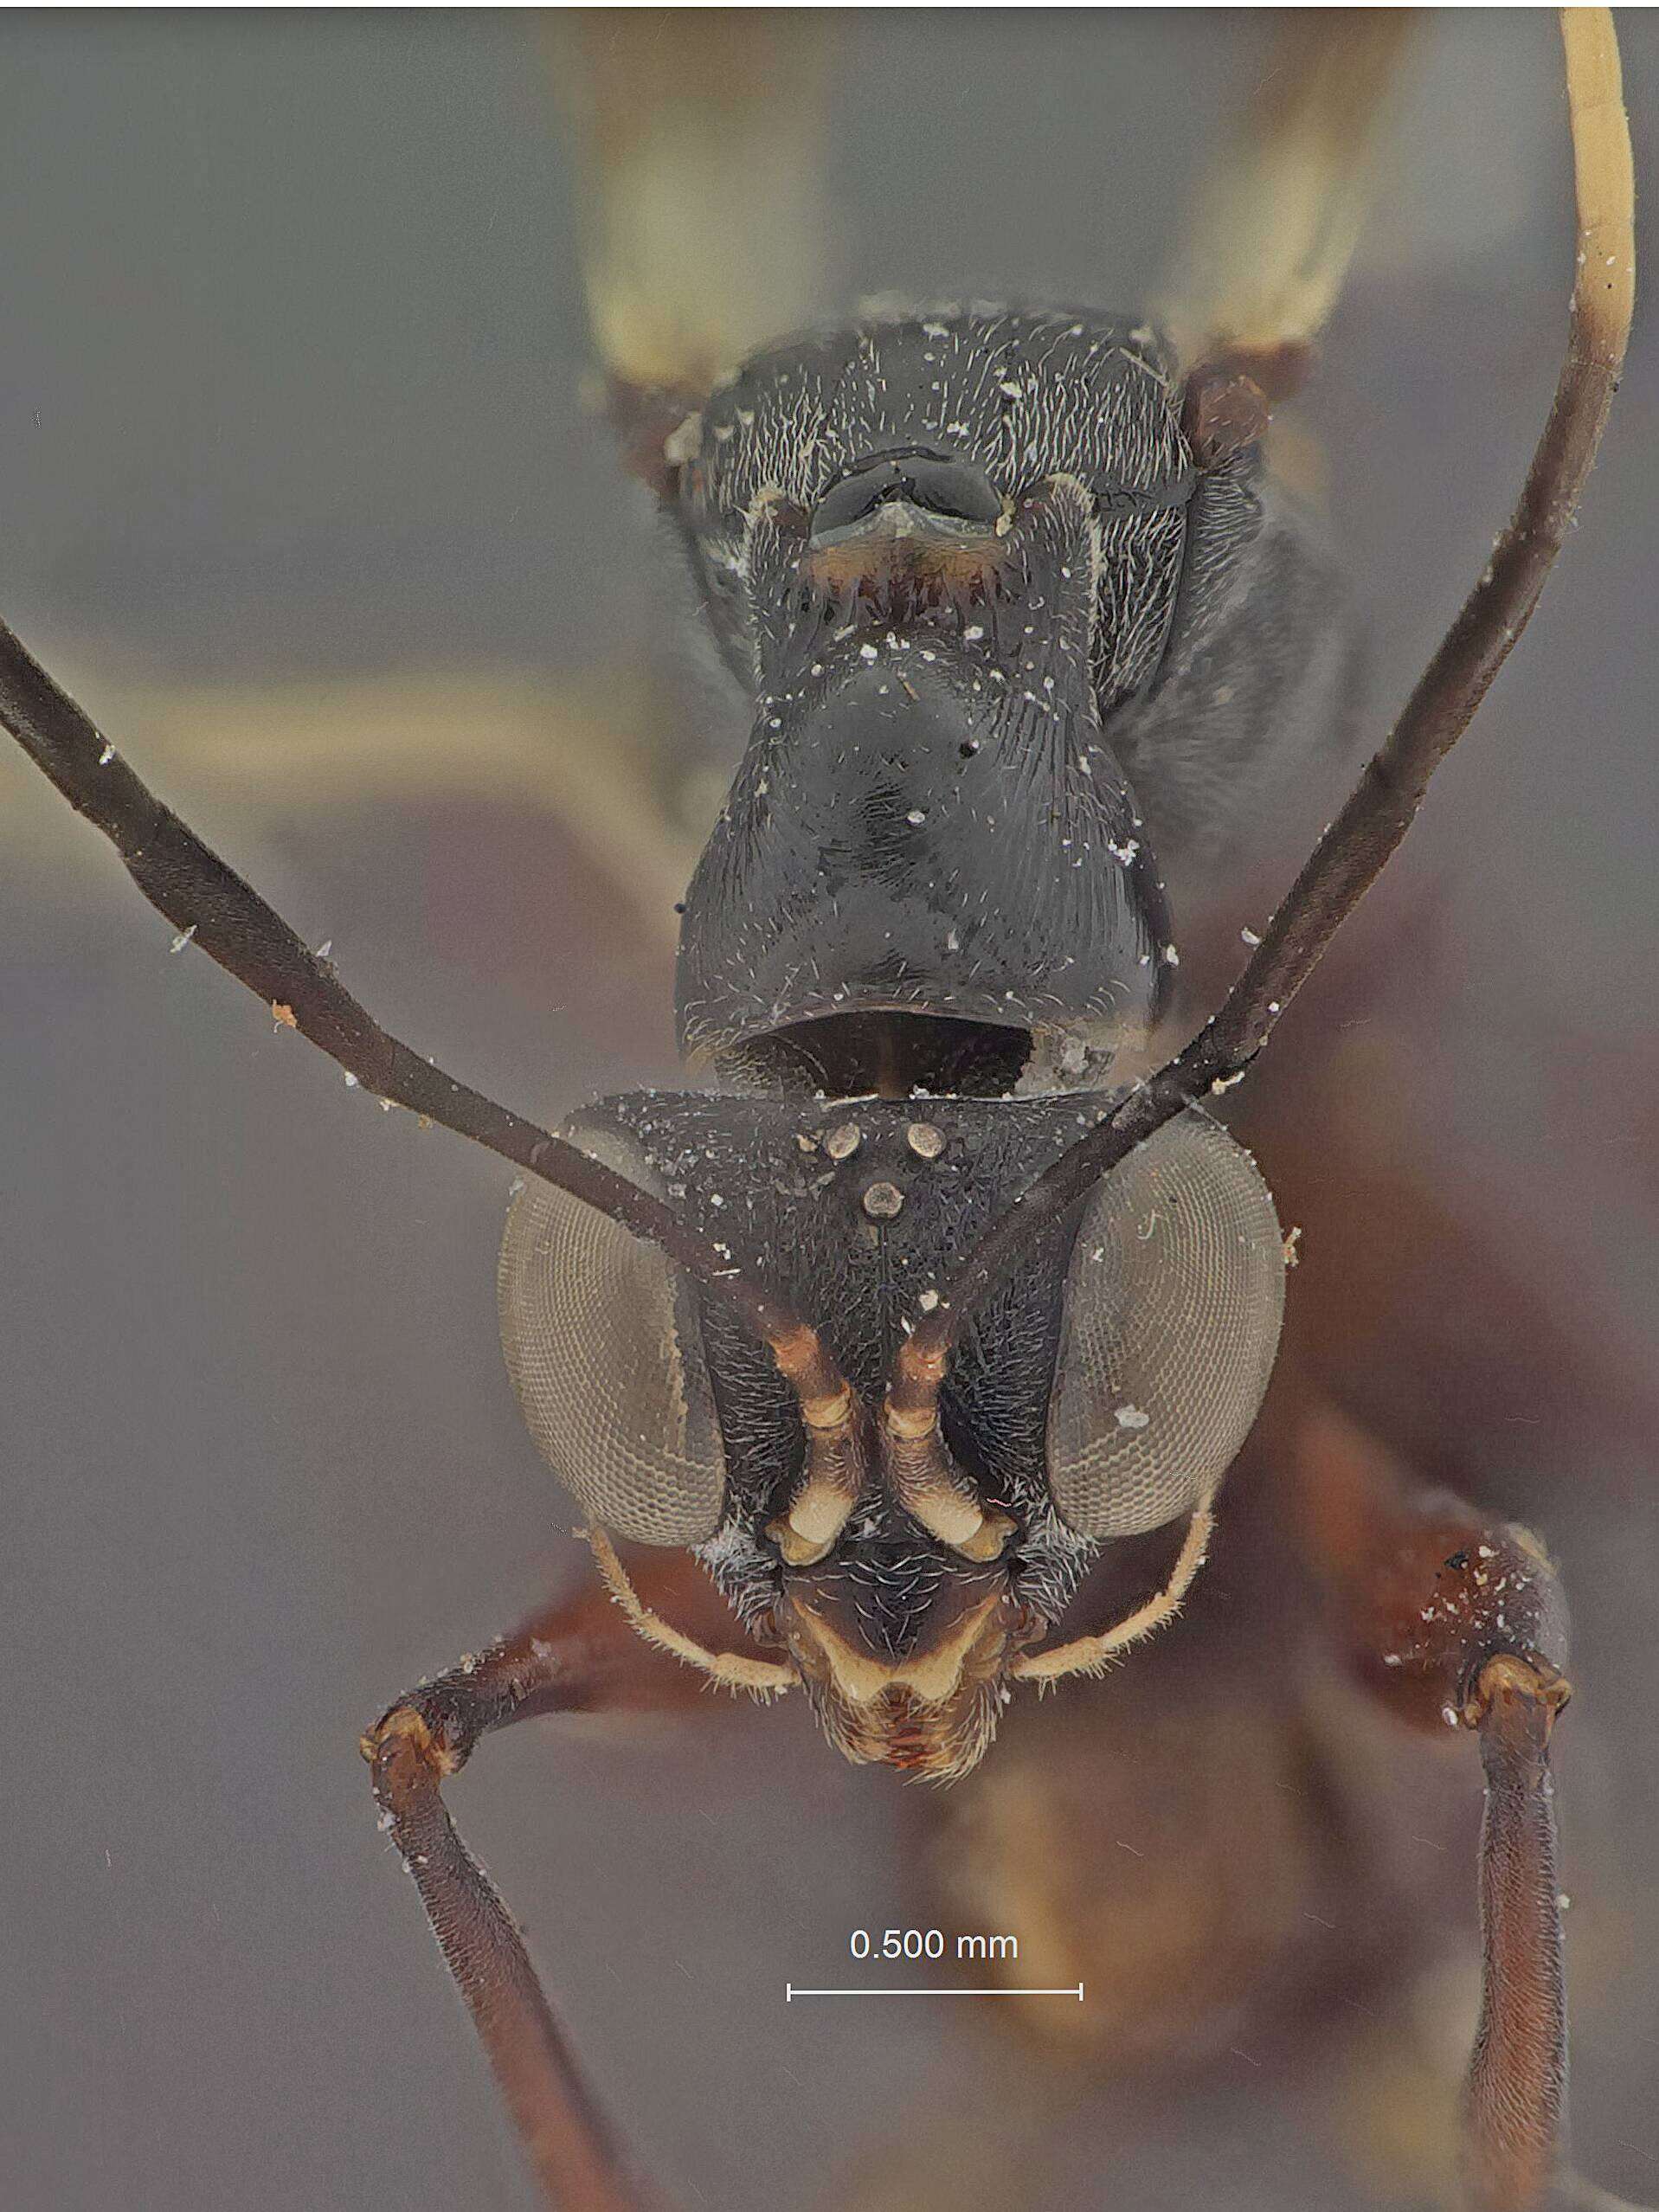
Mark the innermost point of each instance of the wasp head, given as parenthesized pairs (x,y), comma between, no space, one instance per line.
(907,1572)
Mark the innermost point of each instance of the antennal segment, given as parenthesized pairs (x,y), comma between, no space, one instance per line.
(186,880)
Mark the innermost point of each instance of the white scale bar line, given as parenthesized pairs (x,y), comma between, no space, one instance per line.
(790,1992)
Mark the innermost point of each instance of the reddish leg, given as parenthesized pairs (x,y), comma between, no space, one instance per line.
(579,1656)
(1454,1621)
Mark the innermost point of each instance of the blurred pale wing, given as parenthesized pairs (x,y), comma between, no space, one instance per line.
(698,136)
(1276,216)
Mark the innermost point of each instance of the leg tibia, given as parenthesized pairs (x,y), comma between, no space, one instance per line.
(582,1656)
(1453,1620)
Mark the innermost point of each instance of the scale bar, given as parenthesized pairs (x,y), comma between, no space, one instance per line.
(791,1992)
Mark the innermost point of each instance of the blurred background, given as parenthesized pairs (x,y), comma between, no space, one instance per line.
(302,498)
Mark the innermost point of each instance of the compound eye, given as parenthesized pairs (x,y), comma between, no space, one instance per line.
(605,1350)
(1173,1298)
